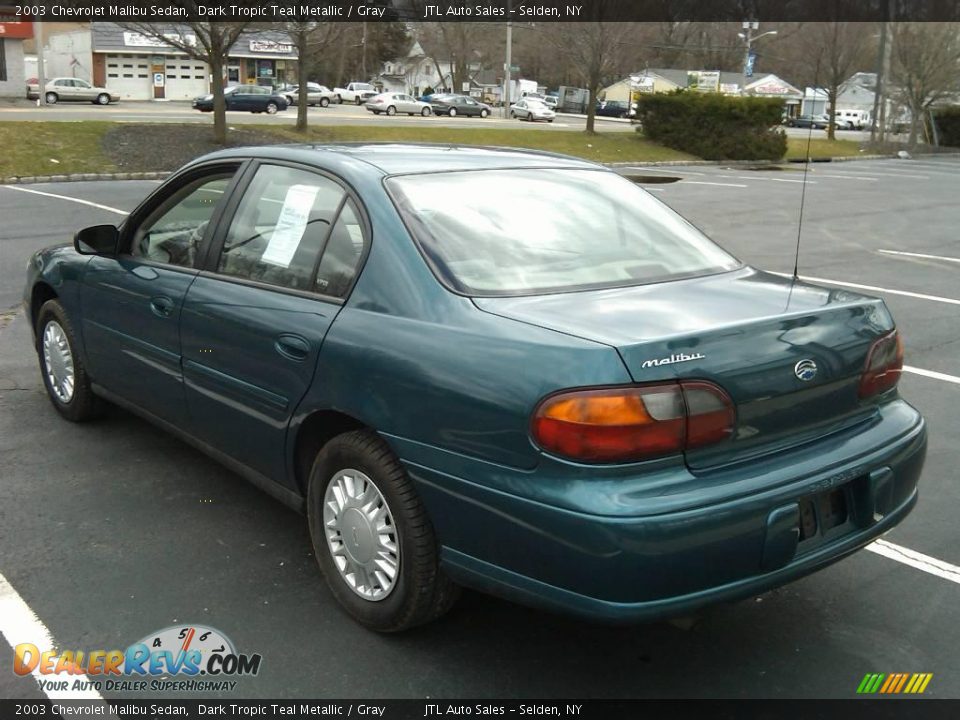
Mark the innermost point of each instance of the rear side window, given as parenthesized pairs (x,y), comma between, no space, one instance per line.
(281,227)
(340,260)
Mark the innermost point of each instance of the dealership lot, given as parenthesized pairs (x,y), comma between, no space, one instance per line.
(113,530)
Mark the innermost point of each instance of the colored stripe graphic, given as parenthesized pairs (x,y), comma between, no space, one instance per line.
(894,683)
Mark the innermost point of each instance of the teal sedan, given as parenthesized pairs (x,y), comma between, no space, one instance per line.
(511,371)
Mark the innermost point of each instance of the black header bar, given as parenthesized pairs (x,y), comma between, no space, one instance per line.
(485,10)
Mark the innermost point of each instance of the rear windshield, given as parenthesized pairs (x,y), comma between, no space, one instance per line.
(531,231)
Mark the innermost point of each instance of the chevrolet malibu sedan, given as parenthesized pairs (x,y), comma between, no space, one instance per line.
(495,369)
(252,98)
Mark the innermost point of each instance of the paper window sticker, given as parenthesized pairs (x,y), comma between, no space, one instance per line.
(291,224)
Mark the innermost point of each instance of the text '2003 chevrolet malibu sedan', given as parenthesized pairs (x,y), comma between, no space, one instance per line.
(510,371)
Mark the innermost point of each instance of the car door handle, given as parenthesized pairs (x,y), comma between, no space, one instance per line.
(292,347)
(162,306)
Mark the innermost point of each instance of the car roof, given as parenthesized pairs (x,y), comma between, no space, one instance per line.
(403,158)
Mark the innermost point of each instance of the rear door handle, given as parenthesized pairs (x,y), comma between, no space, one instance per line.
(292,347)
(161,306)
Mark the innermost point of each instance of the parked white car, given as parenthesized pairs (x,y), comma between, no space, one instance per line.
(530,109)
(393,103)
(316,94)
(74,89)
(355,92)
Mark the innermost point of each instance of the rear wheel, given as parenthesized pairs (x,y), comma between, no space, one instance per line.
(391,110)
(372,537)
(52,98)
(64,374)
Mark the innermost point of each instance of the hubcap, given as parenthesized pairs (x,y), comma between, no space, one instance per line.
(361,535)
(58,361)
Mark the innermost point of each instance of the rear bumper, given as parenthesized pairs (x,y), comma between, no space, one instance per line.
(648,566)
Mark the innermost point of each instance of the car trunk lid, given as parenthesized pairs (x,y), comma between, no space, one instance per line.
(789,354)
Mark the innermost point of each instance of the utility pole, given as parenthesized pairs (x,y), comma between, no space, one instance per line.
(363,56)
(506,66)
(749,38)
(878,89)
(41,74)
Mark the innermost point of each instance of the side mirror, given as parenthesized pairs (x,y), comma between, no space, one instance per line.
(97,240)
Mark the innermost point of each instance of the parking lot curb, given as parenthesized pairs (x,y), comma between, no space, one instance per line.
(79,177)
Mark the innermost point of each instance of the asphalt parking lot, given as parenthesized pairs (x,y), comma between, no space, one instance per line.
(112,530)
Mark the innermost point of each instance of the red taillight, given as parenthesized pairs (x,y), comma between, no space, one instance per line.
(633,423)
(884,365)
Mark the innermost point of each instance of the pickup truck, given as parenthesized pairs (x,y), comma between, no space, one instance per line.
(355,92)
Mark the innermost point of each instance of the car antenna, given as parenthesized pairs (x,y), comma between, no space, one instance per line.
(806,169)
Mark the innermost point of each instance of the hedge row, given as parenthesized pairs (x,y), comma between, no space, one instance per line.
(948,126)
(714,126)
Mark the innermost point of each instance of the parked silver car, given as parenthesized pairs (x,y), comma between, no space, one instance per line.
(393,103)
(531,109)
(67,88)
(316,94)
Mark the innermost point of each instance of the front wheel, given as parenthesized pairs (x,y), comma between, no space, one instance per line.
(483,113)
(272,108)
(324,102)
(358,101)
(425,112)
(453,112)
(64,374)
(103,99)
(372,537)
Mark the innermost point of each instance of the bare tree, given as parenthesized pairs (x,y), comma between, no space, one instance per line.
(834,51)
(209,42)
(310,39)
(925,67)
(598,49)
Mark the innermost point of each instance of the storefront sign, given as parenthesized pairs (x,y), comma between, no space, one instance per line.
(135,39)
(269,46)
(21,30)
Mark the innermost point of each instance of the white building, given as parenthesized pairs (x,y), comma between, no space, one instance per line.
(13,83)
(414,72)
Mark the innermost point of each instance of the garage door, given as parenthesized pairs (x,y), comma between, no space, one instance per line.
(129,77)
(186,79)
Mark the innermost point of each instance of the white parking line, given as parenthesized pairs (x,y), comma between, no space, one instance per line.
(846,177)
(771,179)
(932,374)
(916,560)
(703,182)
(673,171)
(19,624)
(920,255)
(874,288)
(65,197)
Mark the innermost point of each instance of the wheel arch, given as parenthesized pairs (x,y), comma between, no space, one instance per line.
(313,432)
(41,293)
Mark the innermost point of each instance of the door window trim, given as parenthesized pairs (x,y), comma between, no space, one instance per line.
(209,268)
(165,193)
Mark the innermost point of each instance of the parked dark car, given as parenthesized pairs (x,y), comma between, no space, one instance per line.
(613,108)
(517,372)
(454,105)
(819,122)
(253,98)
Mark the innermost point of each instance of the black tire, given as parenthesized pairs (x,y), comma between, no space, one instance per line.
(339,100)
(484,113)
(453,112)
(422,592)
(272,108)
(83,405)
(426,112)
(51,98)
(324,102)
(358,100)
(391,110)
(103,99)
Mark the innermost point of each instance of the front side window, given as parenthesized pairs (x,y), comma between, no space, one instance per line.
(173,232)
(281,227)
(527,231)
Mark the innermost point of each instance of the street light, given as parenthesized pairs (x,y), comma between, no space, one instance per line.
(749,38)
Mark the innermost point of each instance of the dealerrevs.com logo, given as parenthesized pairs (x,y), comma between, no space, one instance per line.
(177,658)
